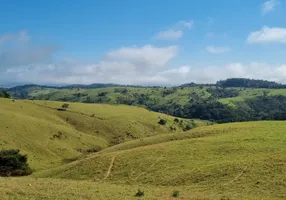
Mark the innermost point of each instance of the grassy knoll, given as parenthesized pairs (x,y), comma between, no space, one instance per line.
(50,137)
(245,159)
(227,161)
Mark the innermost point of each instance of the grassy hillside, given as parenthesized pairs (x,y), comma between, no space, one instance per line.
(59,189)
(245,159)
(206,102)
(101,151)
(51,137)
(121,94)
(227,161)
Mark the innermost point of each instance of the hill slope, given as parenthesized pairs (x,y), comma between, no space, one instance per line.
(50,136)
(241,158)
(233,100)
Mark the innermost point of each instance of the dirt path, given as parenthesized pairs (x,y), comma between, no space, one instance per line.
(109,169)
(238,176)
(148,168)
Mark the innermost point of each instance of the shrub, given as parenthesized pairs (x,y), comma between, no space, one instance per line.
(139,193)
(102,94)
(176,193)
(187,127)
(176,120)
(4,94)
(13,163)
(162,122)
(65,106)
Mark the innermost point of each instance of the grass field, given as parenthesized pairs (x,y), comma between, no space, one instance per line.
(227,161)
(60,189)
(242,160)
(50,137)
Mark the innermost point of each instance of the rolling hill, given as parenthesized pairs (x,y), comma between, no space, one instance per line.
(110,150)
(227,161)
(231,100)
(50,136)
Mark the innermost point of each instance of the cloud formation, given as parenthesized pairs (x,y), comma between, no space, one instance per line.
(185,24)
(145,65)
(268,6)
(169,35)
(268,35)
(15,50)
(127,65)
(217,50)
(21,36)
(176,32)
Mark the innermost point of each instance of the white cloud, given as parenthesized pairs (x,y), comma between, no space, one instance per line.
(269,6)
(21,36)
(169,35)
(15,50)
(127,65)
(268,35)
(185,24)
(211,74)
(176,32)
(124,72)
(147,54)
(217,50)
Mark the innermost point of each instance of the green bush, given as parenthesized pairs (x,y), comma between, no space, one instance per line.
(13,163)
(139,193)
(162,122)
(176,120)
(176,193)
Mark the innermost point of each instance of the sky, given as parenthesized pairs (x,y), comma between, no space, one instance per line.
(150,42)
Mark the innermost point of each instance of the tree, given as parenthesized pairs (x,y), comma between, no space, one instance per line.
(162,122)
(13,163)
(65,106)
(4,94)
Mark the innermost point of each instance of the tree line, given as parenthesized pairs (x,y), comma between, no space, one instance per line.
(4,94)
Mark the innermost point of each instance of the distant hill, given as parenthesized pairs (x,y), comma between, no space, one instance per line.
(230,100)
(248,83)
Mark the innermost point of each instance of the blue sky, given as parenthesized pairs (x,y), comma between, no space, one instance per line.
(141,42)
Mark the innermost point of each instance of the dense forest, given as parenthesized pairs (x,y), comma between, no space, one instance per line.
(4,94)
(259,108)
(240,82)
(248,83)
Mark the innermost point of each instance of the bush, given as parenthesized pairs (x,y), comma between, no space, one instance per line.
(176,193)
(139,193)
(176,120)
(65,106)
(4,94)
(162,122)
(13,163)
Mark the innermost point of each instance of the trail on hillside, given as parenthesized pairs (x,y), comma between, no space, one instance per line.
(238,176)
(110,168)
(141,174)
